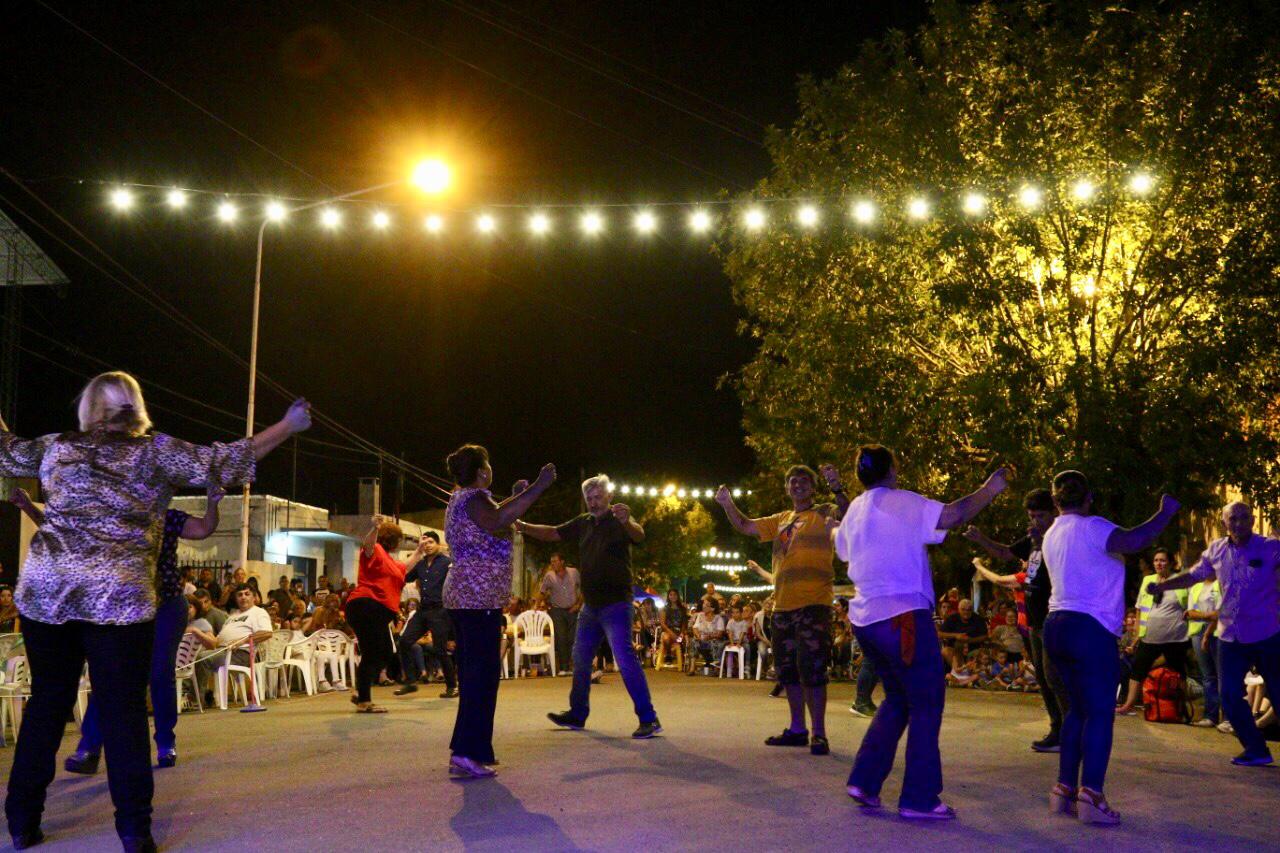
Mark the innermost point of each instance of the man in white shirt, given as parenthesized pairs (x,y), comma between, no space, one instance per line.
(883,537)
(248,620)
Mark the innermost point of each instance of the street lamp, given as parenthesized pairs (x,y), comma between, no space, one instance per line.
(432,176)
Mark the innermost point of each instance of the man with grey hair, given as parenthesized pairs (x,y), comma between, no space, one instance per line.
(1247,567)
(605,534)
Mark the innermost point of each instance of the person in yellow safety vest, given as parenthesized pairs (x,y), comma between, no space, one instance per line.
(1202,627)
(1162,630)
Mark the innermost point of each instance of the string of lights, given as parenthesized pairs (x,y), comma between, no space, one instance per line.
(671,490)
(726,569)
(595,220)
(744,590)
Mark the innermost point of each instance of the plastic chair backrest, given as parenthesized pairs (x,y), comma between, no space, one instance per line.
(188,650)
(16,671)
(9,645)
(534,625)
(273,650)
(330,641)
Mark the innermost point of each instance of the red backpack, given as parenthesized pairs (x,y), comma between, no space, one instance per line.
(1164,697)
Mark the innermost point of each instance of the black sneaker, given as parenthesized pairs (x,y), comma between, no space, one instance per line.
(776,691)
(82,762)
(138,844)
(788,738)
(405,689)
(819,746)
(1048,743)
(647,730)
(450,693)
(1244,759)
(567,721)
(27,839)
(863,710)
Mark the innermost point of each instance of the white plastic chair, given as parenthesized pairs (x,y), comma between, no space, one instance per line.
(534,625)
(224,673)
(82,695)
(184,668)
(297,661)
(738,652)
(271,666)
(15,690)
(330,648)
(762,652)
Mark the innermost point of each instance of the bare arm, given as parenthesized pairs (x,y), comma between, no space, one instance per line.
(202,528)
(541,532)
(1134,539)
(495,517)
(22,500)
(832,477)
(740,522)
(419,554)
(622,512)
(760,570)
(1006,581)
(964,510)
(997,550)
(297,419)
(371,538)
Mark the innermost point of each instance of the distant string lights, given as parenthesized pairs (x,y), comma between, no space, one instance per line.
(594,221)
(670,490)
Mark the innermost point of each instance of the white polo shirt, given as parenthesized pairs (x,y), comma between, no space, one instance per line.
(240,625)
(883,537)
(1086,577)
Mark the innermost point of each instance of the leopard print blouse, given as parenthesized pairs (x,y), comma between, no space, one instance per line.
(94,557)
(481,575)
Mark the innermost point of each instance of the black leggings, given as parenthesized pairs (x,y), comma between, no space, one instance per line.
(1175,657)
(371,622)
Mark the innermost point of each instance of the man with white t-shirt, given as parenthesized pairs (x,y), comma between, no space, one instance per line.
(248,620)
(883,537)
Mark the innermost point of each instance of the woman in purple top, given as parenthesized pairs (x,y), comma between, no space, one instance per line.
(477,530)
(87,589)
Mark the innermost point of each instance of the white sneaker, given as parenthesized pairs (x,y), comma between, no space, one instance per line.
(1225,727)
(339,685)
(324,687)
(1205,723)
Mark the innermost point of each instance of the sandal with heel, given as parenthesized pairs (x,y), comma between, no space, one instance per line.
(1092,808)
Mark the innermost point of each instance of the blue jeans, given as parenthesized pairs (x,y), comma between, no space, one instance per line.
(1208,661)
(611,622)
(866,682)
(171,623)
(1234,660)
(1088,663)
(914,696)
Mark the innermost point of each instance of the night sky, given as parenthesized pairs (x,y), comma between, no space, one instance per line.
(595,356)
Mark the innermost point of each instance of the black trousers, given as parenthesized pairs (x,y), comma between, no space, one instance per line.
(1052,691)
(436,620)
(1144,657)
(479,649)
(372,624)
(119,659)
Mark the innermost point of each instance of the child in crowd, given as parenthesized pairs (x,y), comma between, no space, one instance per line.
(708,633)
(964,673)
(1008,638)
(737,629)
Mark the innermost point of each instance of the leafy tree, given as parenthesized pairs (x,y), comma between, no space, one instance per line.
(676,532)
(1130,332)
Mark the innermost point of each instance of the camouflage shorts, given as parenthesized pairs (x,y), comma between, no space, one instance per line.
(802,645)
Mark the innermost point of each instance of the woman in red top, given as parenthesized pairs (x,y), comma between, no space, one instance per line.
(374,603)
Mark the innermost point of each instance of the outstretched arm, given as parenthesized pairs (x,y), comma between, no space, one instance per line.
(541,532)
(22,500)
(371,538)
(998,550)
(202,528)
(740,522)
(966,508)
(760,570)
(297,419)
(1006,581)
(495,517)
(1134,539)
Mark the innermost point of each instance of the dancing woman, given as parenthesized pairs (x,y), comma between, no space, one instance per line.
(87,590)
(475,592)
(883,537)
(1086,615)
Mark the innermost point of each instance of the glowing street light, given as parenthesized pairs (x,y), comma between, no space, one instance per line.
(754,219)
(807,216)
(1030,197)
(176,199)
(700,221)
(330,218)
(864,212)
(653,492)
(122,199)
(1083,190)
(275,211)
(227,212)
(975,204)
(918,208)
(434,223)
(486,224)
(381,220)
(646,222)
(592,223)
(1141,183)
(432,176)
(540,224)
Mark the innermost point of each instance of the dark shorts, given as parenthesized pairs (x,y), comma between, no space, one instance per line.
(802,645)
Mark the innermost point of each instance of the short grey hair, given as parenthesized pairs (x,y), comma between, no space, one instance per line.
(601,481)
(1226,510)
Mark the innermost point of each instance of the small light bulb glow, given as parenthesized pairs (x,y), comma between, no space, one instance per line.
(653,492)
(975,204)
(330,218)
(646,222)
(807,216)
(1083,189)
(540,224)
(122,199)
(754,219)
(434,223)
(275,211)
(381,219)
(227,212)
(700,221)
(176,199)
(432,176)
(918,208)
(592,223)
(737,493)
(1030,197)
(680,493)
(864,212)
(486,224)
(1141,183)
(1089,288)
(626,490)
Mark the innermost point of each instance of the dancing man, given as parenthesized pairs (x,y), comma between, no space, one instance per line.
(883,537)
(1247,567)
(1031,588)
(430,616)
(1086,616)
(605,534)
(803,579)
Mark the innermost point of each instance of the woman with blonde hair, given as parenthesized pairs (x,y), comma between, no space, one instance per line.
(87,590)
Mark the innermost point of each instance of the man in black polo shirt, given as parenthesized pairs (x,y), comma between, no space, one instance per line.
(430,616)
(605,534)
(1033,588)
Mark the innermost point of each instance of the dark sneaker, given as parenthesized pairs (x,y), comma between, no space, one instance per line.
(647,730)
(776,691)
(1048,743)
(451,693)
(138,844)
(1244,759)
(567,721)
(939,812)
(27,839)
(82,762)
(788,738)
(405,689)
(861,710)
(819,746)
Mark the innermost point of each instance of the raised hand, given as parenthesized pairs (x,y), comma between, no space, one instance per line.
(831,475)
(214,493)
(622,512)
(299,415)
(519,486)
(973,534)
(546,476)
(1169,505)
(723,496)
(999,479)
(378,519)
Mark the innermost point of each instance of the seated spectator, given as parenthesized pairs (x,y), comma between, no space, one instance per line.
(227,601)
(949,604)
(208,610)
(710,593)
(1008,638)
(325,615)
(841,640)
(249,621)
(9,621)
(207,583)
(736,630)
(198,625)
(961,632)
(708,633)
(963,673)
